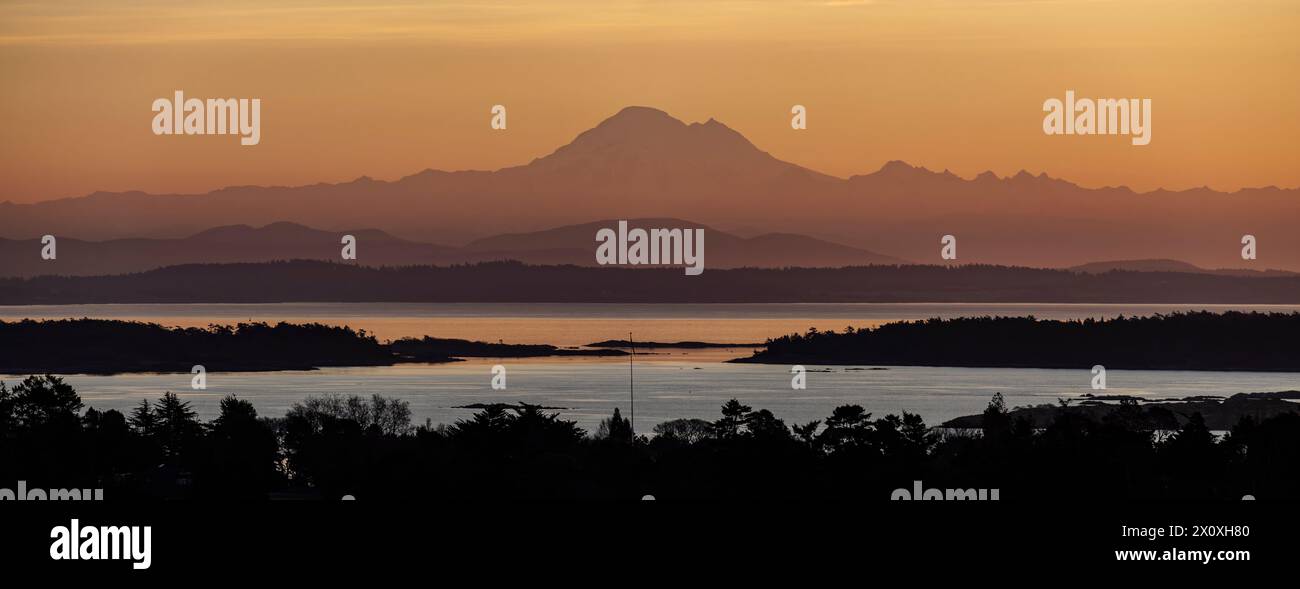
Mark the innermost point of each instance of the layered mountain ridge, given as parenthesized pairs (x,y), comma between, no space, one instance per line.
(643,163)
(573,244)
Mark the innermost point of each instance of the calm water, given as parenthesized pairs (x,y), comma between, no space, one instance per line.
(589,390)
(669,385)
(569,324)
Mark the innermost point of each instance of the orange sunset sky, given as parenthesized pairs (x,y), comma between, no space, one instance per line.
(390,88)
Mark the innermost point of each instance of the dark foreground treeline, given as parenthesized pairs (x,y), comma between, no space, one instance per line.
(330,447)
(314,281)
(1179,341)
(1148,415)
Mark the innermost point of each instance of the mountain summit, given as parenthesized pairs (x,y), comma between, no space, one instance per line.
(640,131)
(643,154)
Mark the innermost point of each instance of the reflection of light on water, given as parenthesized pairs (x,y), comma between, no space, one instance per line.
(590,389)
(676,382)
(576,324)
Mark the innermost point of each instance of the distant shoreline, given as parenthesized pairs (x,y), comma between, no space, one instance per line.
(1218,413)
(812,362)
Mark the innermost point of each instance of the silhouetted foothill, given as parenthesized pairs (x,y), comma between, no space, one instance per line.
(506,282)
(569,244)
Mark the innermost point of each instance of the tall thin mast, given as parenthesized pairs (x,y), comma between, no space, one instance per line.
(631,386)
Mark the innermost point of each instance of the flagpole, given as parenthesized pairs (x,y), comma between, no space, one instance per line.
(631,386)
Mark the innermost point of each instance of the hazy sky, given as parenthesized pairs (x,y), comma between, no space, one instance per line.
(388,90)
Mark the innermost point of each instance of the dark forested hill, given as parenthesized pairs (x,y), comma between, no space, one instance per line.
(1181,341)
(107,346)
(301,281)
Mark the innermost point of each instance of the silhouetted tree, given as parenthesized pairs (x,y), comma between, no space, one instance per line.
(997,424)
(686,430)
(906,438)
(614,428)
(387,416)
(177,427)
(763,424)
(849,427)
(734,417)
(245,451)
(483,427)
(39,402)
(1192,448)
(143,418)
(808,431)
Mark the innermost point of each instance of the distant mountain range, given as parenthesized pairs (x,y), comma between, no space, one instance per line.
(574,244)
(643,163)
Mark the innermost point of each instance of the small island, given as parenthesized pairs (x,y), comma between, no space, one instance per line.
(685,345)
(431,349)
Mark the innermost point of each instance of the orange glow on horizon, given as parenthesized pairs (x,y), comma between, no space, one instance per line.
(386,91)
